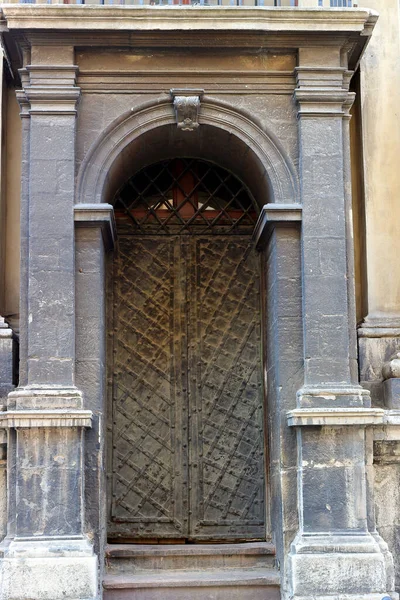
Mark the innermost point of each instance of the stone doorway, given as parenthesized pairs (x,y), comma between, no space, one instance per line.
(186,393)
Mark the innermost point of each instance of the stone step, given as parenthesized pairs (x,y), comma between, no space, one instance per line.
(209,584)
(131,558)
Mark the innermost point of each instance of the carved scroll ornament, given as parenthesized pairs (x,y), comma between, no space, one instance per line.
(187,107)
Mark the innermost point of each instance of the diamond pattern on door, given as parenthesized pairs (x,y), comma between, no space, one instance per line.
(188,444)
(227,456)
(148,478)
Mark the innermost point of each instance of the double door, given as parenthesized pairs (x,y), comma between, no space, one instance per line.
(187,439)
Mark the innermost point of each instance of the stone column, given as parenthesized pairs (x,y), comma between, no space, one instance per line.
(334,554)
(46,554)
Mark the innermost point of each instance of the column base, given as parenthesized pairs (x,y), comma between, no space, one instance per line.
(338,567)
(44,397)
(52,569)
(329,396)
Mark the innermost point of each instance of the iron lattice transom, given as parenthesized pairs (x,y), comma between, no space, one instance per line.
(185,195)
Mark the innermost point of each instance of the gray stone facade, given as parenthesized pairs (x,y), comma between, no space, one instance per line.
(266,96)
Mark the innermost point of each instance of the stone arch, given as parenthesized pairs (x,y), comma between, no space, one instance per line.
(103,167)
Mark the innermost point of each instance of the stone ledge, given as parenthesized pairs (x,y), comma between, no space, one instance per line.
(335,417)
(275,214)
(97,215)
(15,419)
(170,18)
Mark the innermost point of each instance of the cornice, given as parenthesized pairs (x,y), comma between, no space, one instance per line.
(335,417)
(52,99)
(170,18)
(271,215)
(15,419)
(97,215)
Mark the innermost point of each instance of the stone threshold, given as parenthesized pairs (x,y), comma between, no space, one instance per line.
(148,550)
(196,578)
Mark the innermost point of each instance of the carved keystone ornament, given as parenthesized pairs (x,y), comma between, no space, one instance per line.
(187,106)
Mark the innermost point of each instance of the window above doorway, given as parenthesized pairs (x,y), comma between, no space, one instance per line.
(185,195)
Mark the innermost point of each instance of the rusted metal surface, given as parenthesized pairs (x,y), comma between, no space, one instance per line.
(188,455)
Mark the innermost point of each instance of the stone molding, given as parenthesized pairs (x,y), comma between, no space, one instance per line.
(48,89)
(97,215)
(380,326)
(323,91)
(52,100)
(15,419)
(318,396)
(21,95)
(45,398)
(335,417)
(387,421)
(187,107)
(92,176)
(272,215)
(171,18)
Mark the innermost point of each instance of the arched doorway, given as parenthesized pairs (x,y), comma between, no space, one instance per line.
(186,398)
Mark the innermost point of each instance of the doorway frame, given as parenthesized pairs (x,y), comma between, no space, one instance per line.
(95,183)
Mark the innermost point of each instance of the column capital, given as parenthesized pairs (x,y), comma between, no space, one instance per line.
(97,215)
(51,89)
(272,215)
(323,91)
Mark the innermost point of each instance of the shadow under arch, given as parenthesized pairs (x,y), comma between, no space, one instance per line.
(226,136)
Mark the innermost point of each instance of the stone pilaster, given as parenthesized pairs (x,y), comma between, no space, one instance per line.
(334,554)
(46,554)
(95,235)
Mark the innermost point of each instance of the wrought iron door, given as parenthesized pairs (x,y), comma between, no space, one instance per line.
(188,444)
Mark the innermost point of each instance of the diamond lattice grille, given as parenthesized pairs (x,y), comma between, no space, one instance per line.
(186,196)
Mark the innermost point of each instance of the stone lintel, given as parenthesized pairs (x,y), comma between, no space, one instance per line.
(271,215)
(15,419)
(97,215)
(335,417)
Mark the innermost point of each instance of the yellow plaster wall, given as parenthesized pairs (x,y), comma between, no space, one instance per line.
(380,106)
(12,164)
